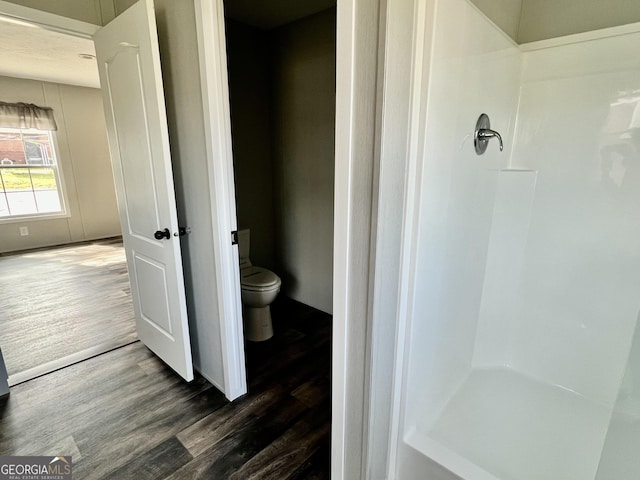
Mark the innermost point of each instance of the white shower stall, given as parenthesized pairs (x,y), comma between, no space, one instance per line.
(519,354)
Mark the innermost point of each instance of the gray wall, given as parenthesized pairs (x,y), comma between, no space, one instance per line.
(540,19)
(532,20)
(98,12)
(181,76)
(282,87)
(304,137)
(504,13)
(4,385)
(250,92)
(83,156)
(543,19)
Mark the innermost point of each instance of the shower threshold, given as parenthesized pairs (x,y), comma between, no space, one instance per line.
(502,425)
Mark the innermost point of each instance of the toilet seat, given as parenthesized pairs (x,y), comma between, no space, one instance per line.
(258,279)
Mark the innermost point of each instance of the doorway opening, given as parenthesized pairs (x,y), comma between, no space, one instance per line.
(64,288)
(281,71)
(282,102)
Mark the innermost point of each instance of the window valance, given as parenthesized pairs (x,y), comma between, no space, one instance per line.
(26,115)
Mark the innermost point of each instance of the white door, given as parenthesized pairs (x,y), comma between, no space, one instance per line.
(129,65)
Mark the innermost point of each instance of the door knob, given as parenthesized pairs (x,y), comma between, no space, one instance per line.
(160,234)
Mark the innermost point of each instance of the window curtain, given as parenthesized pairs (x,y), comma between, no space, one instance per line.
(26,115)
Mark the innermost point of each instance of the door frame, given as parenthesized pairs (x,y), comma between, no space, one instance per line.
(212,56)
(359,74)
(361,241)
(358,102)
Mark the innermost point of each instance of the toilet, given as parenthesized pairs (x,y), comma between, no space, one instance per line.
(259,288)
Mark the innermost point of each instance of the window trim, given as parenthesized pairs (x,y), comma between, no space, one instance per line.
(62,191)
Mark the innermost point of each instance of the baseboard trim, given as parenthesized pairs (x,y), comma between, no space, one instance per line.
(60,245)
(54,365)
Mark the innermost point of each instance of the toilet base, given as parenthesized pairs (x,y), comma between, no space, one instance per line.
(257,323)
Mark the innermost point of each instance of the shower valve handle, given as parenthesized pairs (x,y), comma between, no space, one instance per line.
(488,134)
(483,134)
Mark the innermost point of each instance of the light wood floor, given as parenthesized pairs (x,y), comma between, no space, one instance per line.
(61,305)
(125,415)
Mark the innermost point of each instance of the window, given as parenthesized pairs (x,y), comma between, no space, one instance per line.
(29,178)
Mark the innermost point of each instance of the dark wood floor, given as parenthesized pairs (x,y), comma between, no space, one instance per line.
(125,415)
(64,304)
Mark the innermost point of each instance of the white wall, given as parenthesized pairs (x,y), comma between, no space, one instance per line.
(530,263)
(304,137)
(467,75)
(83,156)
(576,300)
(619,457)
(471,74)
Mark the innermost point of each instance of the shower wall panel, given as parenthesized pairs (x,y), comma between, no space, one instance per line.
(577,297)
(620,459)
(525,298)
(475,69)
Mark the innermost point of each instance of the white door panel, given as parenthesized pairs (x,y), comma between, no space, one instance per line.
(129,65)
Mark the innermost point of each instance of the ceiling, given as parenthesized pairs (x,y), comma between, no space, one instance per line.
(33,52)
(29,51)
(273,13)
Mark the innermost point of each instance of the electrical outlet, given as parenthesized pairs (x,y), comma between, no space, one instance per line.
(24,231)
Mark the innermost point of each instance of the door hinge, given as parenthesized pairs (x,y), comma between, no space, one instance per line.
(234,237)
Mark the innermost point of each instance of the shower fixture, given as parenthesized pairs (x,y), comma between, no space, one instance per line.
(483,134)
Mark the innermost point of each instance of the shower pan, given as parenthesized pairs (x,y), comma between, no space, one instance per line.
(520,358)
